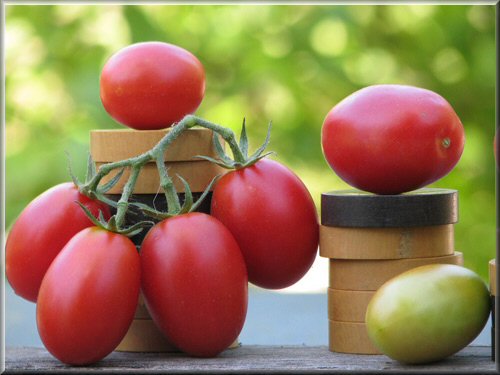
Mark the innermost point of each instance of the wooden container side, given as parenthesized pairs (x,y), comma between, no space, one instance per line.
(348,305)
(372,274)
(120,144)
(144,336)
(350,337)
(141,311)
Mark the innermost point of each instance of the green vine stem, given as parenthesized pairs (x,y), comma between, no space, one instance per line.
(123,204)
(93,189)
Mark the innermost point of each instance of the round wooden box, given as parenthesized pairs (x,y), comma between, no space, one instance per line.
(350,337)
(118,144)
(144,336)
(180,157)
(371,274)
(348,305)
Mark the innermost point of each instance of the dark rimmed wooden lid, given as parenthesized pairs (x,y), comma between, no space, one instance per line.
(422,207)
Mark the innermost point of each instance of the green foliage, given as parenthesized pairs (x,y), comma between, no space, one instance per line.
(285,64)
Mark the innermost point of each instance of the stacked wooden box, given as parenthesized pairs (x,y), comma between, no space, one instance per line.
(371,238)
(114,145)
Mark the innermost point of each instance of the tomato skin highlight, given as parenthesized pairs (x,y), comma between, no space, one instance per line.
(428,313)
(41,231)
(151,85)
(271,214)
(195,283)
(88,296)
(391,139)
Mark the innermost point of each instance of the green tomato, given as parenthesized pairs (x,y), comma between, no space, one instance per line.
(428,313)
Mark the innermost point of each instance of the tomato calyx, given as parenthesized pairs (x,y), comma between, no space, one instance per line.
(112,226)
(174,208)
(240,151)
(99,192)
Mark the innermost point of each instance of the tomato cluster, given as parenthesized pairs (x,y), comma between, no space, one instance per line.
(193,268)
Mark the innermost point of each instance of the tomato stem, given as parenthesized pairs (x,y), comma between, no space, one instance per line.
(93,189)
(226,134)
(122,205)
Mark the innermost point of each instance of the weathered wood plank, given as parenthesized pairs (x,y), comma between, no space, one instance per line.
(247,359)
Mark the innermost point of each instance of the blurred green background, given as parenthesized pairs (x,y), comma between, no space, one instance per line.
(288,64)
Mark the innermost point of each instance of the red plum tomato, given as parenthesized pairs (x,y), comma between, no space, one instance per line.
(151,85)
(195,283)
(41,231)
(271,214)
(88,296)
(391,139)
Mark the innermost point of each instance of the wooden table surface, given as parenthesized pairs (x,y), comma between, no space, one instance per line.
(248,359)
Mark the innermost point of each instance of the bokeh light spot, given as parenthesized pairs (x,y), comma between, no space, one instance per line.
(329,37)
(449,66)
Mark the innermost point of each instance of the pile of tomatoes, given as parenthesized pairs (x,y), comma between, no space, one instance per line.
(193,268)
